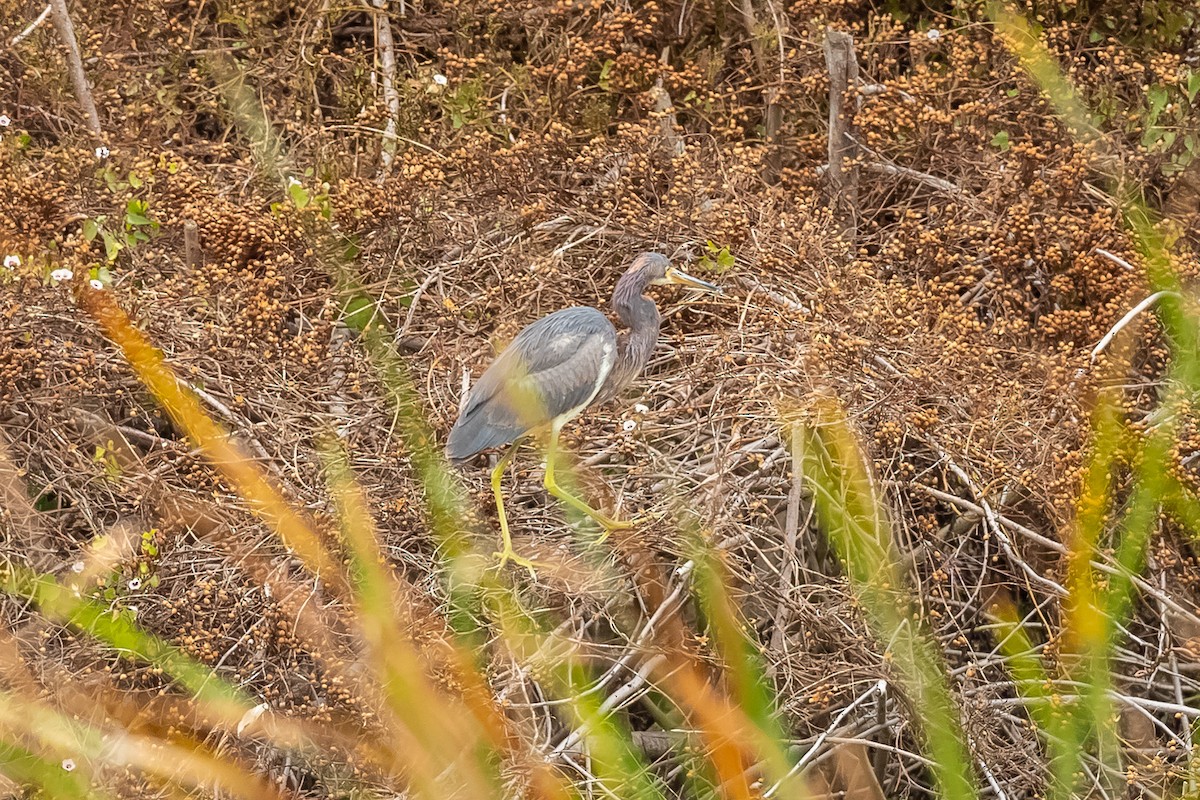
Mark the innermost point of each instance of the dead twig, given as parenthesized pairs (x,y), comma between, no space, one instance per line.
(843,78)
(385,44)
(30,28)
(791,532)
(83,90)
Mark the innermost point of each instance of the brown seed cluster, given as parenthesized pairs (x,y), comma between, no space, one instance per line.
(955,326)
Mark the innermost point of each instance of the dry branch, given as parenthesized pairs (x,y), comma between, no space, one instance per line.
(843,79)
(83,90)
(30,28)
(191,243)
(386,45)
(790,537)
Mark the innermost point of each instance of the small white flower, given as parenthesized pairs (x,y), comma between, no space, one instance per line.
(77,566)
(641,408)
(933,34)
(440,79)
(96,284)
(4,121)
(628,425)
(62,274)
(102,152)
(12,262)
(68,764)
(134,584)
(292,181)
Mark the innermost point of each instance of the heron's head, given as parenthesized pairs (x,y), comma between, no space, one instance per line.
(656,269)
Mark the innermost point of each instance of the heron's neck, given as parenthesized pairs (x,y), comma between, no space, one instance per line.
(634,347)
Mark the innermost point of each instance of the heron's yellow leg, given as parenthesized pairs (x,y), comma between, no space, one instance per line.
(608,523)
(507,553)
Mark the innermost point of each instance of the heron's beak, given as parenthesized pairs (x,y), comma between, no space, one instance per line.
(683,279)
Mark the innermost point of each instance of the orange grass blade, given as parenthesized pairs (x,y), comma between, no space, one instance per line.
(451,745)
(87,745)
(185,411)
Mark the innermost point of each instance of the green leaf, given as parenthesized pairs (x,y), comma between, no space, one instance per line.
(1193,85)
(115,185)
(725,260)
(90,229)
(1157,97)
(1095,36)
(134,180)
(358,312)
(1000,141)
(137,212)
(112,246)
(1013,92)
(603,81)
(298,194)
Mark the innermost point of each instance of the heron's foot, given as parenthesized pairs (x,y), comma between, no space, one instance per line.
(608,525)
(508,554)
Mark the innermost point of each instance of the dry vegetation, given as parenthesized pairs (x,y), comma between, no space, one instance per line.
(956,329)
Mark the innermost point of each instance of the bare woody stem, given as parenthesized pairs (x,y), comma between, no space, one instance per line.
(843,80)
(83,90)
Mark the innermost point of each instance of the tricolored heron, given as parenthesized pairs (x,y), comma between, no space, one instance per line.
(553,370)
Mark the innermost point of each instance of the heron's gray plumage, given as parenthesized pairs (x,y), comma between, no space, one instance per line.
(554,366)
(562,363)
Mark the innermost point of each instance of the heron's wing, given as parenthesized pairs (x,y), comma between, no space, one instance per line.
(555,366)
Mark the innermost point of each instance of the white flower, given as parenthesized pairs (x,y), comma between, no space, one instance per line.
(933,34)
(68,764)
(628,425)
(292,181)
(134,584)
(4,121)
(96,284)
(77,566)
(440,79)
(62,274)
(641,408)
(102,152)
(12,262)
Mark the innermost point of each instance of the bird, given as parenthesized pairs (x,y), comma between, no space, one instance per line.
(554,369)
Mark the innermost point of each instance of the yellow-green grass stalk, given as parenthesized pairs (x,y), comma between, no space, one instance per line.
(27,768)
(856,522)
(90,749)
(1045,707)
(618,768)
(449,751)
(751,698)
(221,703)
(1094,613)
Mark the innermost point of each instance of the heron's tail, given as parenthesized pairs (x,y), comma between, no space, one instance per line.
(477,431)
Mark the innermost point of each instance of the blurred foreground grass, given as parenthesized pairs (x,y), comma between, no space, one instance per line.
(444,733)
